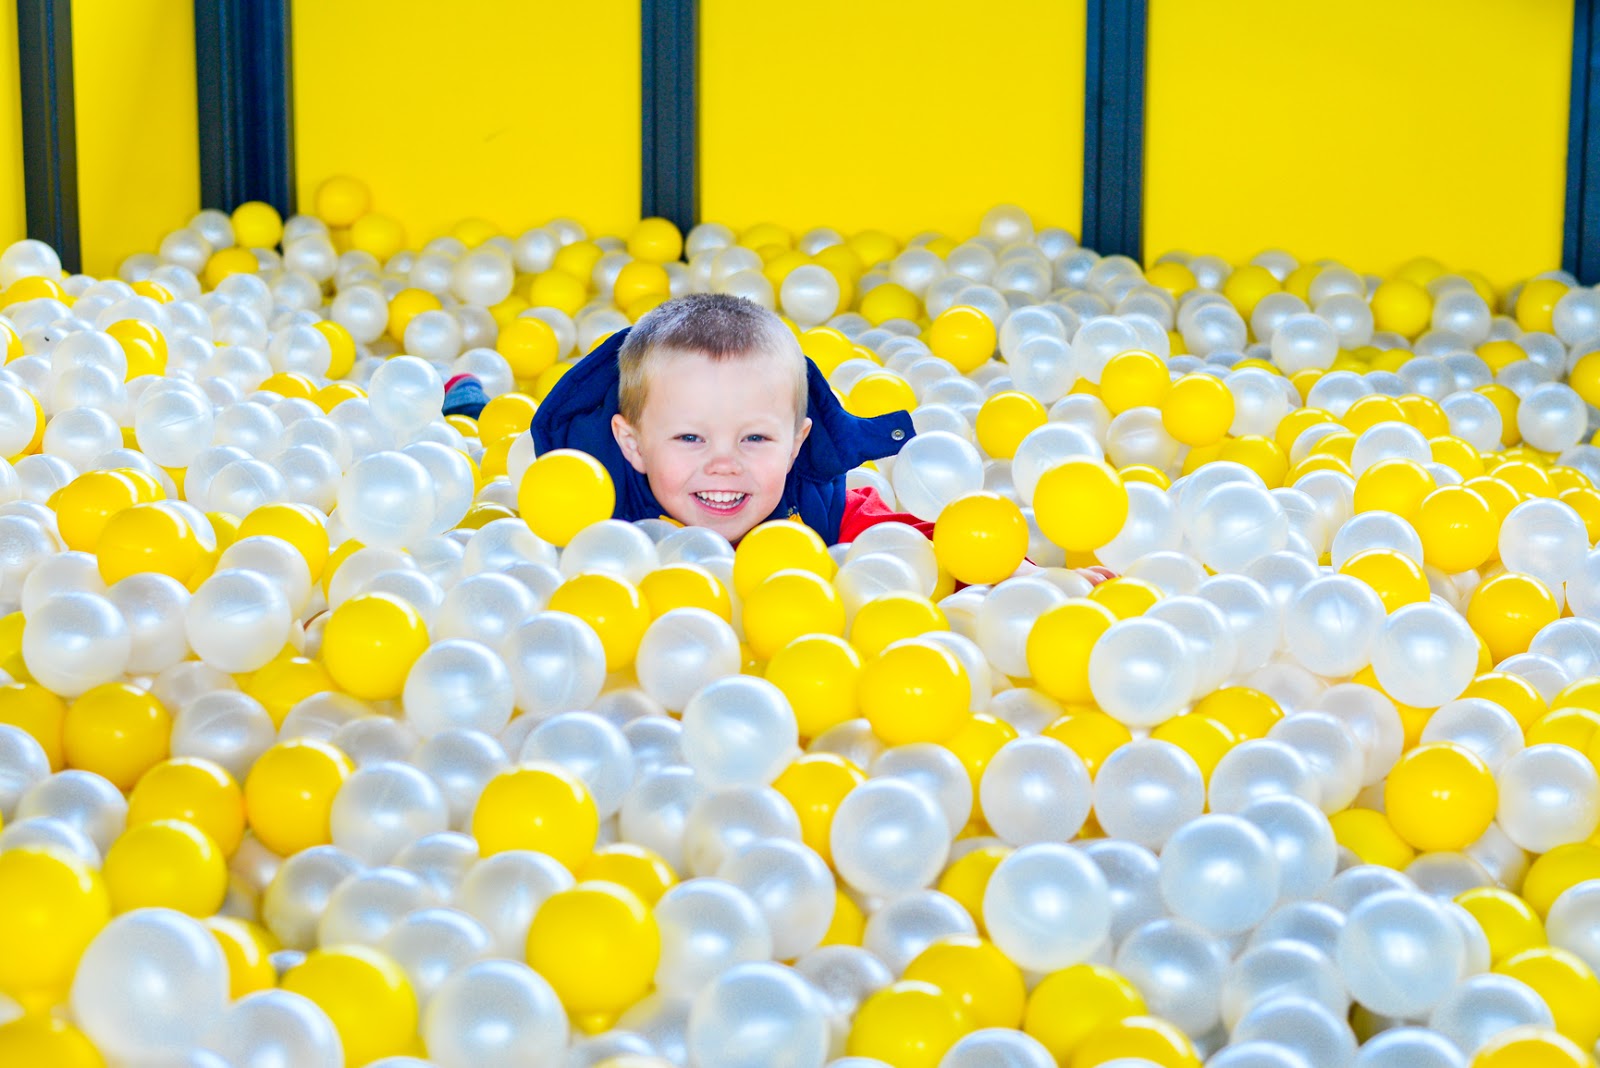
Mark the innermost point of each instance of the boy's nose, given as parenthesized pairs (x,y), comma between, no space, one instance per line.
(723,462)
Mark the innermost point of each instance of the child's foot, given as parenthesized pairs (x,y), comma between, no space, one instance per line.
(464,395)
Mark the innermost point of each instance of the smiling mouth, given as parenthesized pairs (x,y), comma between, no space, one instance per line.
(721,501)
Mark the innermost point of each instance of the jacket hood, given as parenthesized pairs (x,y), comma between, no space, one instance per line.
(577,415)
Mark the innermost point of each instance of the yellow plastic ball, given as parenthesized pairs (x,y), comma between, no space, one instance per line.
(369,644)
(1149,1037)
(1507,610)
(257,224)
(1371,837)
(289,794)
(775,546)
(341,345)
(1509,923)
(975,745)
(1175,277)
(1069,1005)
(341,200)
(39,712)
(967,878)
(378,235)
(1260,454)
(981,537)
(144,344)
(538,806)
(1126,596)
(1512,692)
(1245,287)
(51,906)
(819,674)
(640,280)
(86,504)
(1566,984)
(366,995)
(166,864)
(405,306)
(1458,529)
(196,791)
(814,785)
(285,682)
(1059,645)
(1507,402)
(915,691)
(530,346)
(1536,304)
(889,301)
(964,336)
(564,491)
(226,262)
(1402,307)
(118,731)
(1394,485)
(508,415)
(681,585)
(1557,871)
(892,616)
(301,525)
(1091,734)
(879,393)
(558,289)
(247,947)
(1393,576)
(790,604)
(1134,379)
(147,538)
(38,1039)
(655,240)
(641,870)
(982,979)
(1206,740)
(1197,410)
(612,606)
(1004,420)
(597,944)
(908,1024)
(1080,504)
(849,923)
(826,347)
(1440,796)
(1531,1047)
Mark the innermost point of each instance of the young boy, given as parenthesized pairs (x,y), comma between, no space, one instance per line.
(706,413)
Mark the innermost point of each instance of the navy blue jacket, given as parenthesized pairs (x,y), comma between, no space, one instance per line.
(577,415)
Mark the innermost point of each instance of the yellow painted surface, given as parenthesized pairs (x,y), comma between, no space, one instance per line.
(13,209)
(901,115)
(1369,131)
(515,111)
(138,143)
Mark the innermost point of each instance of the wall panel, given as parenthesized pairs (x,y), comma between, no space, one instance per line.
(1369,131)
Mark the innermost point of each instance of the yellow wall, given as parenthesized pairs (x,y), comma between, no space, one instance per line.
(13,211)
(903,115)
(1369,131)
(513,110)
(138,147)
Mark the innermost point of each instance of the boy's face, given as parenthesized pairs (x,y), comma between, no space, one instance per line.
(716,438)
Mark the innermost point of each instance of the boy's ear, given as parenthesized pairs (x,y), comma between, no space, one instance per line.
(628,442)
(799,440)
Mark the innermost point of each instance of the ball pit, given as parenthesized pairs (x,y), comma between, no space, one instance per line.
(335,730)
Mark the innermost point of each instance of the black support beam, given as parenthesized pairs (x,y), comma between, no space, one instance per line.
(49,125)
(245,86)
(1113,127)
(669,115)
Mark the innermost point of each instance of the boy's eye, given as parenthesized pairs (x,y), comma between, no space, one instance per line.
(690,438)
(757,437)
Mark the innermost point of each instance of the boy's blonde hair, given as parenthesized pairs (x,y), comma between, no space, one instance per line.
(718,327)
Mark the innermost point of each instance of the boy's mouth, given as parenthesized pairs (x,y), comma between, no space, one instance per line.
(722,502)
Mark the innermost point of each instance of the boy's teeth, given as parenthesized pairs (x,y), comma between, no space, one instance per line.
(720,496)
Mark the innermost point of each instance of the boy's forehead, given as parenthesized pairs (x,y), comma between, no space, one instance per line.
(662,362)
